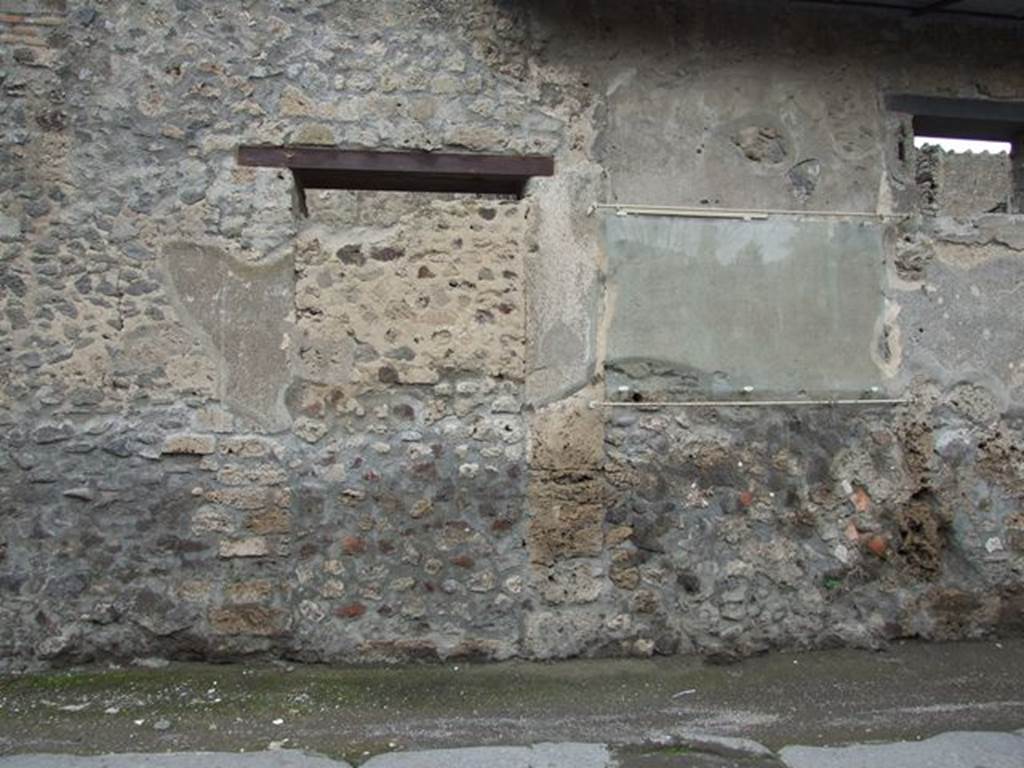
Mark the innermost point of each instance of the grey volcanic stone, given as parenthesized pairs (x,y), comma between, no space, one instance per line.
(536,756)
(958,749)
(278,759)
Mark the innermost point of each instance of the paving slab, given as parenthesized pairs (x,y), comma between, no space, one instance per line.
(536,756)
(288,758)
(958,749)
(684,756)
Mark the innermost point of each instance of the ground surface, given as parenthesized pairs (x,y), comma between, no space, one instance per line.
(646,709)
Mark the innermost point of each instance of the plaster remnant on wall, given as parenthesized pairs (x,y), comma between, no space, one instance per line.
(243,314)
(562,283)
(704,306)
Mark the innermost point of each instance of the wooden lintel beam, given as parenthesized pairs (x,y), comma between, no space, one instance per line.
(328,159)
(987,119)
(933,7)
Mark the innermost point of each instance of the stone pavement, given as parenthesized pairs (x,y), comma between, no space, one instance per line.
(844,708)
(964,749)
(276,759)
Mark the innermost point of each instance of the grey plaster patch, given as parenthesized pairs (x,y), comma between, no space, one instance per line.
(559,342)
(536,756)
(275,759)
(958,749)
(242,312)
(980,345)
(562,285)
(782,306)
(688,131)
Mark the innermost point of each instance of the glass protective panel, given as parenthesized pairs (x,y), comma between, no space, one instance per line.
(788,306)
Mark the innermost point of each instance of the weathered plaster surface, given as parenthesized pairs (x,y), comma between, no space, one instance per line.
(241,311)
(368,434)
(777,307)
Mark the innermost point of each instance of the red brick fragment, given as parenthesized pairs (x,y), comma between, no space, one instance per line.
(878,545)
(350,611)
(860,500)
(353,545)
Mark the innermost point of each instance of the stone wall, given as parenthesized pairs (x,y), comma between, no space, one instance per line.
(964,184)
(368,434)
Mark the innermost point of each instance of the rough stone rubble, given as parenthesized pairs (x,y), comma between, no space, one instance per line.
(367,435)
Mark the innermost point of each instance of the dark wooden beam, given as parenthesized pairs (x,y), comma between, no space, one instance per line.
(947,8)
(933,7)
(944,117)
(329,168)
(329,158)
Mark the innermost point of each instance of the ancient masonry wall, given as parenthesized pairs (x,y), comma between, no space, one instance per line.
(965,184)
(367,435)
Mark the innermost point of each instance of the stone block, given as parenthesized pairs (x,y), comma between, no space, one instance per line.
(247,619)
(256,546)
(568,582)
(309,430)
(332,588)
(537,755)
(567,434)
(960,748)
(246,447)
(561,633)
(274,520)
(212,519)
(194,590)
(254,591)
(250,498)
(189,444)
(257,474)
(560,530)
(624,576)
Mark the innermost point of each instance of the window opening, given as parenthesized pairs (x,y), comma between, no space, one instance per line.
(962,145)
(968,153)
